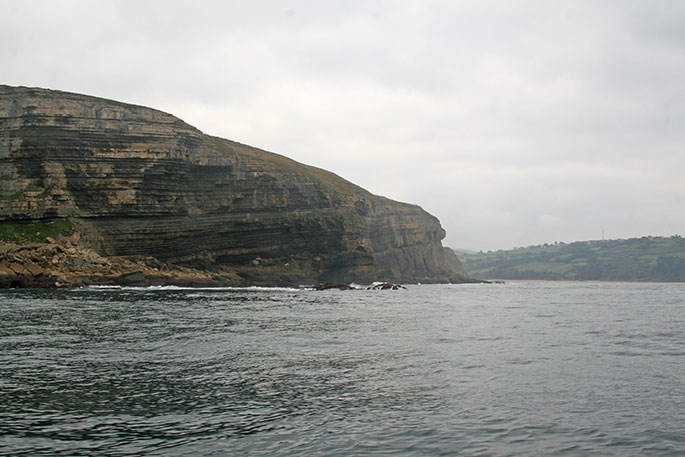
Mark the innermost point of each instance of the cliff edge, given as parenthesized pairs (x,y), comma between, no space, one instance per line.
(146,191)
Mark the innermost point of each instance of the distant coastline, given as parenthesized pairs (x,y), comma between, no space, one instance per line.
(647,258)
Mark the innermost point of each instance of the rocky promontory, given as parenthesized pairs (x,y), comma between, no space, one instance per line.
(142,197)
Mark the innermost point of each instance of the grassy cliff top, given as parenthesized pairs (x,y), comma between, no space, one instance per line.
(328,180)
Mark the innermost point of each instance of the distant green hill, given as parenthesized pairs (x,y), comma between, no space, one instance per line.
(635,259)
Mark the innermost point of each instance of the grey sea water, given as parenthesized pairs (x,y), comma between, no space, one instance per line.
(510,369)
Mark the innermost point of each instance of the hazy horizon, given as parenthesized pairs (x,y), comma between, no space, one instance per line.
(514,124)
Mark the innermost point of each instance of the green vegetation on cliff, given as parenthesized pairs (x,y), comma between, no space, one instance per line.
(34,231)
(298,171)
(635,259)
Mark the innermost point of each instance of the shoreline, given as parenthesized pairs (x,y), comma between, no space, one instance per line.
(68,262)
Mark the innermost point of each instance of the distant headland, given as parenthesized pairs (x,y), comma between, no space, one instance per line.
(94,191)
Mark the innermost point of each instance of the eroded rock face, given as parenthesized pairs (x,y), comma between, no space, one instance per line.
(139,182)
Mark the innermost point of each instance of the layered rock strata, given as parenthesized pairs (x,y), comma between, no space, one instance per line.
(140,183)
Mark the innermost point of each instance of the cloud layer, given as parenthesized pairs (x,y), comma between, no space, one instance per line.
(515,123)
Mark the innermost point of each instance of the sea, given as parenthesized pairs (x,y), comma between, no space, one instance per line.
(522,368)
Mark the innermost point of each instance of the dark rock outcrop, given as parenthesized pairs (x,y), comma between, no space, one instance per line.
(138,182)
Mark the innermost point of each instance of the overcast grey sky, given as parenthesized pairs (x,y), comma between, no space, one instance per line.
(513,122)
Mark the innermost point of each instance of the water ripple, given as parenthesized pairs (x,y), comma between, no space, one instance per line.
(524,369)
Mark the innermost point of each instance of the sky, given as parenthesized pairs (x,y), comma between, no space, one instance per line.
(516,123)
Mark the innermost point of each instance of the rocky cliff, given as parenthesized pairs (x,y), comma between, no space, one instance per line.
(138,183)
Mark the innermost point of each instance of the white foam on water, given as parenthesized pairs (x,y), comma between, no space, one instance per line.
(171,287)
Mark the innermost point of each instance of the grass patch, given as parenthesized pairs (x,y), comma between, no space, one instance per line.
(21,195)
(35,231)
(17,196)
